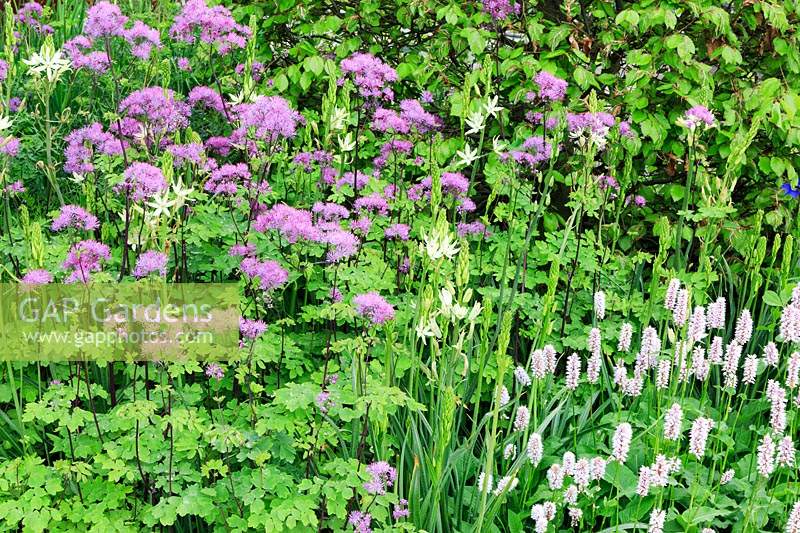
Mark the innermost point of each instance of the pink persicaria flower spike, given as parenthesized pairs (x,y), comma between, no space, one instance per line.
(697,324)
(643,483)
(522,418)
(663,373)
(510,451)
(571,495)
(505,397)
(733,353)
(793,370)
(672,422)
(383,477)
(575,516)
(744,328)
(715,352)
(771,355)
(594,342)
(568,462)
(657,518)
(698,436)
(593,366)
(785,455)
(573,372)
(793,523)
(790,323)
(778,400)
(716,313)
(555,476)
(749,370)
(700,365)
(521,377)
(535,448)
(374,308)
(151,262)
(681,309)
(726,477)
(73,216)
(765,462)
(621,442)
(37,277)
(538,364)
(671,296)
(505,484)
(582,473)
(600,305)
(625,337)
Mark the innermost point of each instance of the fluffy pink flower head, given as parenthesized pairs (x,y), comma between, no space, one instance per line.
(329,211)
(397,231)
(213,370)
(415,115)
(698,115)
(388,120)
(374,203)
(37,277)
(213,25)
(294,224)
(225,180)
(371,75)
(142,39)
(142,181)
(81,144)
(383,477)
(202,96)
(79,50)
(158,107)
(500,9)
(84,258)
(550,87)
(73,216)
(269,118)
(373,307)
(104,19)
(251,329)
(361,522)
(151,262)
(343,245)
(269,274)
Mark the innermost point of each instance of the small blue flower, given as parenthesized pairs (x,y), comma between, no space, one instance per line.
(791,191)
